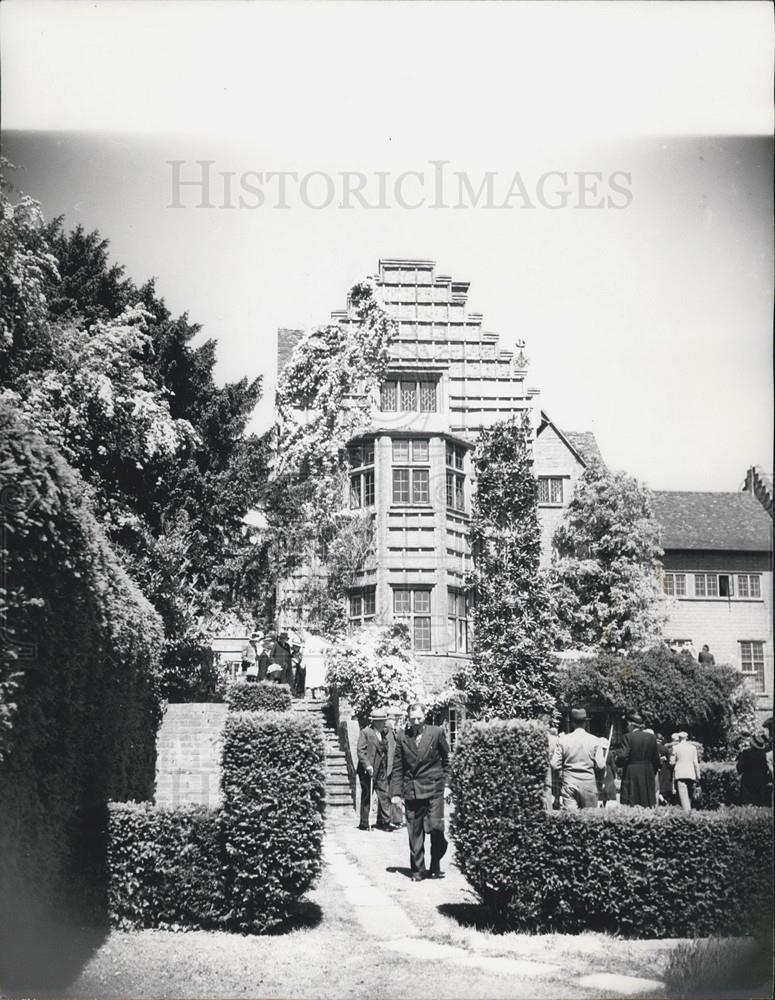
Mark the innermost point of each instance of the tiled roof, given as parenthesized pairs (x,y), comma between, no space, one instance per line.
(585,444)
(712,521)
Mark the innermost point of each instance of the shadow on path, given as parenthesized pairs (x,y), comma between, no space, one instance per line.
(475,915)
(398,870)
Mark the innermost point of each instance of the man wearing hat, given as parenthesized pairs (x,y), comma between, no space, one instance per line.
(575,756)
(372,770)
(639,758)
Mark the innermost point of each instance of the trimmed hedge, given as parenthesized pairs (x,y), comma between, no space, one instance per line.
(259,696)
(638,872)
(273,805)
(78,686)
(166,867)
(240,867)
(720,785)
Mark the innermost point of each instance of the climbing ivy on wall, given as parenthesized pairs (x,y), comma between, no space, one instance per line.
(323,400)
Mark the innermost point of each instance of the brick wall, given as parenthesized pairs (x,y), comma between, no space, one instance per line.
(188,764)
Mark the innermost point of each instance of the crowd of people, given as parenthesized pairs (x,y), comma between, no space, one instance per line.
(297,660)
(584,772)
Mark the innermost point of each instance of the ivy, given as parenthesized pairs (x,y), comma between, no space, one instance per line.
(324,400)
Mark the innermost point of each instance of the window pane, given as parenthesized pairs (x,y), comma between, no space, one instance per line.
(428,397)
(711,584)
(459,501)
(422,601)
(420,493)
(680,584)
(422,633)
(356,606)
(462,643)
(556,491)
(450,455)
(368,488)
(389,396)
(354,455)
(756,586)
(450,489)
(419,451)
(355,491)
(699,584)
(402,602)
(452,633)
(400,451)
(543,490)
(400,486)
(408,395)
(669,583)
(742,586)
(460,455)
(725,586)
(369,601)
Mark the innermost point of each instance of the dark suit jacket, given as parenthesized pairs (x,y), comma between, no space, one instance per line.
(420,771)
(639,747)
(371,749)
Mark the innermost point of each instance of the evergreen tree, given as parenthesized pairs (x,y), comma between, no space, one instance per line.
(512,673)
(607,557)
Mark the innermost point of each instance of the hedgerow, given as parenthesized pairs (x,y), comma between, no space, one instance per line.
(79,686)
(638,872)
(273,804)
(166,867)
(260,696)
(720,785)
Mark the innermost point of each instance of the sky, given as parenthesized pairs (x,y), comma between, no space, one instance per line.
(647,320)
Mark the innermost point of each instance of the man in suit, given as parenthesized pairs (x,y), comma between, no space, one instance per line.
(639,758)
(576,756)
(420,776)
(372,770)
(395,715)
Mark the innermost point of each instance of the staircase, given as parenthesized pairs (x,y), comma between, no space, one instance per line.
(339,790)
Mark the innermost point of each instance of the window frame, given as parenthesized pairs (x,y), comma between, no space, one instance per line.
(416,385)
(672,578)
(455,620)
(414,616)
(365,615)
(752,667)
(550,482)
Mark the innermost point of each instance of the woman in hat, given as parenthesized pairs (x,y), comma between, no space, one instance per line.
(754,774)
(639,760)
(686,769)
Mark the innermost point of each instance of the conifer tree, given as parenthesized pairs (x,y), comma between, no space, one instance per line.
(512,673)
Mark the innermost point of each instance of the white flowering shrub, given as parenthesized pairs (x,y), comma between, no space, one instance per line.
(373,667)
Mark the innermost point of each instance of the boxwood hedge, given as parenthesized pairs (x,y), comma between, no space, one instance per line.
(273,806)
(240,867)
(639,872)
(166,867)
(720,785)
(244,696)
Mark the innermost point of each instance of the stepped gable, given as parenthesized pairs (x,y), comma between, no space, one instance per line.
(436,332)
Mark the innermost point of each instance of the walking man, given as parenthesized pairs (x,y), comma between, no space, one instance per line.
(395,715)
(420,776)
(372,770)
(575,756)
(639,757)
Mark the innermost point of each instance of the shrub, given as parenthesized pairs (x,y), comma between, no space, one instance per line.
(79,683)
(166,867)
(671,690)
(720,785)
(244,696)
(273,802)
(640,872)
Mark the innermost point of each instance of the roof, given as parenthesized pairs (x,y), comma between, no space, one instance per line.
(581,443)
(585,443)
(712,521)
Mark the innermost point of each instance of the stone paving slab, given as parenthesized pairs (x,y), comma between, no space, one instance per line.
(622,986)
(385,922)
(366,895)
(433,951)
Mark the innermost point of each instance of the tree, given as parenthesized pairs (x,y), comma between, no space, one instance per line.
(671,690)
(515,626)
(607,557)
(323,401)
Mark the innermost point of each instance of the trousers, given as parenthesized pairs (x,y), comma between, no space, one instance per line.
(425,816)
(579,795)
(379,782)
